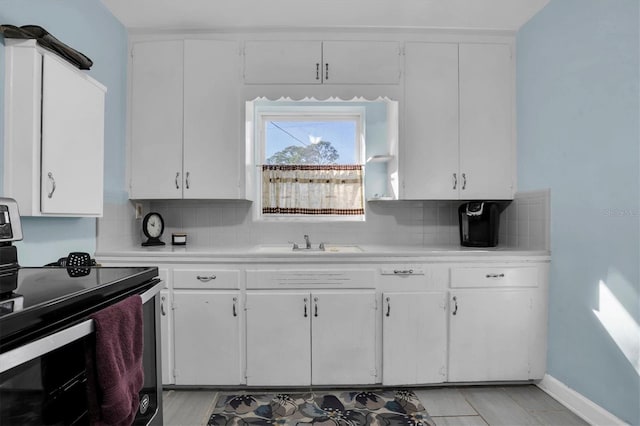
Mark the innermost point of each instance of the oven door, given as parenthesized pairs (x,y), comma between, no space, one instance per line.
(44,382)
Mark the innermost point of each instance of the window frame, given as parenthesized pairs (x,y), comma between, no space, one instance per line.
(265,114)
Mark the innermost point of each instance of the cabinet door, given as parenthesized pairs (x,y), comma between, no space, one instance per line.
(414,338)
(156,120)
(212,119)
(207,337)
(486,133)
(72,141)
(282,62)
(343,338)
(361,62)
(489,338)
(166,337)
(430,144)
(278,339)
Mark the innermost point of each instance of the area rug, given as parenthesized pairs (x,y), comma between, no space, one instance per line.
(343,408)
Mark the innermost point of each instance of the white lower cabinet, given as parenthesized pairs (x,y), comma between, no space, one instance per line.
(166,336)
(490,335)
(207,337)
(497,323)
(414,330)
(402,324)
(297,337)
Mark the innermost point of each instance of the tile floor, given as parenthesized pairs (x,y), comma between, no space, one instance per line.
(516,405)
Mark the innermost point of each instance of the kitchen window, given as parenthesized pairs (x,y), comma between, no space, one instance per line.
(310,162)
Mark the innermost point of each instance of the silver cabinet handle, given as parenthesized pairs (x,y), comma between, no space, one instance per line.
(235,301)
(455,309)
(317,71)
(177,184)
(53,183)
(162,310)
(455,180)
(326,71)
(403,271)
(315,307)
(206,279)
(464,181)
(495,275)
(187,180)
(388,306)
(305,307)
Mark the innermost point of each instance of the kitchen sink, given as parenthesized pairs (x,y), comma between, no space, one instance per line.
(288,248)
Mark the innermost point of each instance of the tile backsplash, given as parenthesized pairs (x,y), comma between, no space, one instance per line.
(524,223)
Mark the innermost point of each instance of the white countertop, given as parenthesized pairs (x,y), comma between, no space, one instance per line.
(281,252)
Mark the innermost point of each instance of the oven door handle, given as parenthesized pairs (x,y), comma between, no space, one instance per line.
(37,348)
(151,293)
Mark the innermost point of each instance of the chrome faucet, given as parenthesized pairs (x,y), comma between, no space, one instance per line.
(308,243)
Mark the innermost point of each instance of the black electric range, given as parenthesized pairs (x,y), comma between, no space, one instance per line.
(37,301)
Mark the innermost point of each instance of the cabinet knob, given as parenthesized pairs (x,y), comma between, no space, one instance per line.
(187,180)
(326,71)
(388,306)
(305,307)
(315,307)
(177,177)
(455,180)
(455,305)
(317,71)
(464,181)
(162,310)
(235,301)
(53,185)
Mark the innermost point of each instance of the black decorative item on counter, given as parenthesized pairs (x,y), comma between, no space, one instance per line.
(153,227)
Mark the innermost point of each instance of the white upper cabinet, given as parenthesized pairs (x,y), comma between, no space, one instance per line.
(458,135)
(283,62)
(156,120)
(213,120)
(430,143)
(316,62)
(54,135)
(186,120)
(361,62)
(487,137)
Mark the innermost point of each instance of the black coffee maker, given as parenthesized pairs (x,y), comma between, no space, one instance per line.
(479,222)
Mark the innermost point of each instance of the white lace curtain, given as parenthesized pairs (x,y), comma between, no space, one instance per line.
(312,190)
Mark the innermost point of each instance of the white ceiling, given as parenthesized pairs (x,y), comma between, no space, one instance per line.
(507,15)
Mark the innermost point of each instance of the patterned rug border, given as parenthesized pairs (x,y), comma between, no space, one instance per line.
(326,407)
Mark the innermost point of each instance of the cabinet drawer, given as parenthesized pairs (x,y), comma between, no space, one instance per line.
(206,278)
(311,278)
(496,276)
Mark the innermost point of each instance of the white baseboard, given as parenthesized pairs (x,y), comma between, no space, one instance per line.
(582,406)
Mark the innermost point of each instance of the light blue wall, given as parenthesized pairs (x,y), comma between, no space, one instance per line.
(85,25)
(578,134)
